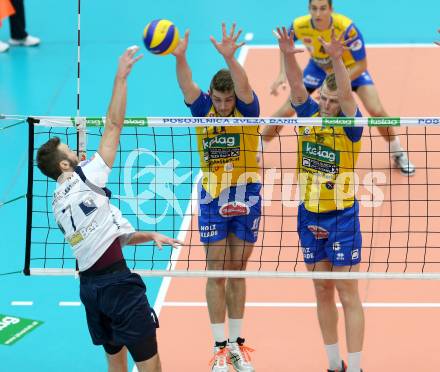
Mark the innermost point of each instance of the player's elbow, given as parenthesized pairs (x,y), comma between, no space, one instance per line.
(113,124)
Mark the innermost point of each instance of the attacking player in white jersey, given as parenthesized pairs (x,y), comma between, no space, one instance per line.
(119,316)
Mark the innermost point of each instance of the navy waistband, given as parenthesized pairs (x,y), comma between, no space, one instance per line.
(117,267)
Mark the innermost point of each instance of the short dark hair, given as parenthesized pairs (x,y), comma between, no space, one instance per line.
(330,82)
(330,3)
(222,81)
(49,157)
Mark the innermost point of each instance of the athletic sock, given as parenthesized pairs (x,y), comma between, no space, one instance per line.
(235,326)
(334,358)
(218,331)
(395,145)
(354,362)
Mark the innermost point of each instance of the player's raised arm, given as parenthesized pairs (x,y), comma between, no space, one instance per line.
(227,48)
(280,81)
(335,48)
(189,88)
(116,111)
(294,73)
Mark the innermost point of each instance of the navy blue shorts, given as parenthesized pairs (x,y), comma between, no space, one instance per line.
(333,236)
(117,308)
(237,210)
(314,77)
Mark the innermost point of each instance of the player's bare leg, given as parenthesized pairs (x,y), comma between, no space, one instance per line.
(217,258)
(326,303)
(117,362)
(240,252)
(328,314)
(370,98)
(150,365)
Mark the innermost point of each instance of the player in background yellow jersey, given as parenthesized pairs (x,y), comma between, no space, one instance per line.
(318,24)
(328,218)
(229,193)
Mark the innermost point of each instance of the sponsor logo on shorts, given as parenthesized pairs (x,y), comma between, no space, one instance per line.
(336,246)
(318,231)
(208,231)
(234,208)
(308,254)
(355,254)
(340,256)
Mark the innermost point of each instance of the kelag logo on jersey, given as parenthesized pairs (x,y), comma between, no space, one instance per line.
(222,146)
(222,141)
(320,152)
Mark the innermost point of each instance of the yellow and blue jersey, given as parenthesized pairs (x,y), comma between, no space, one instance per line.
(326,162)
(228,154)
(305,31)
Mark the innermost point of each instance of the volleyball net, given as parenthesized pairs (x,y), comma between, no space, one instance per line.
(154,183)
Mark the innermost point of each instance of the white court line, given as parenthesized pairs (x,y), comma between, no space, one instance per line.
(301,305)
(69,303)
(22,303)
(184,227)
(383,46)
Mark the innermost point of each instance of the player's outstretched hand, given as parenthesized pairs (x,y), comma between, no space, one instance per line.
(182,46)
(127,60)
(285,41)
(161,240)
(335,47)
(280,82)
(228,45)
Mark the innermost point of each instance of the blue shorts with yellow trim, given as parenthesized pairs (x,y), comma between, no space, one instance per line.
(314,77)
(333,236)
(237,210)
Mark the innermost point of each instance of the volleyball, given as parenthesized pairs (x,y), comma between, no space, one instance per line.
(161,37)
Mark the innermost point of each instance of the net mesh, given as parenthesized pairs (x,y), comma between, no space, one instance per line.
(154,179)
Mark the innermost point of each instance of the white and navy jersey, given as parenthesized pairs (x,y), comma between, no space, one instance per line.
(84,214)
